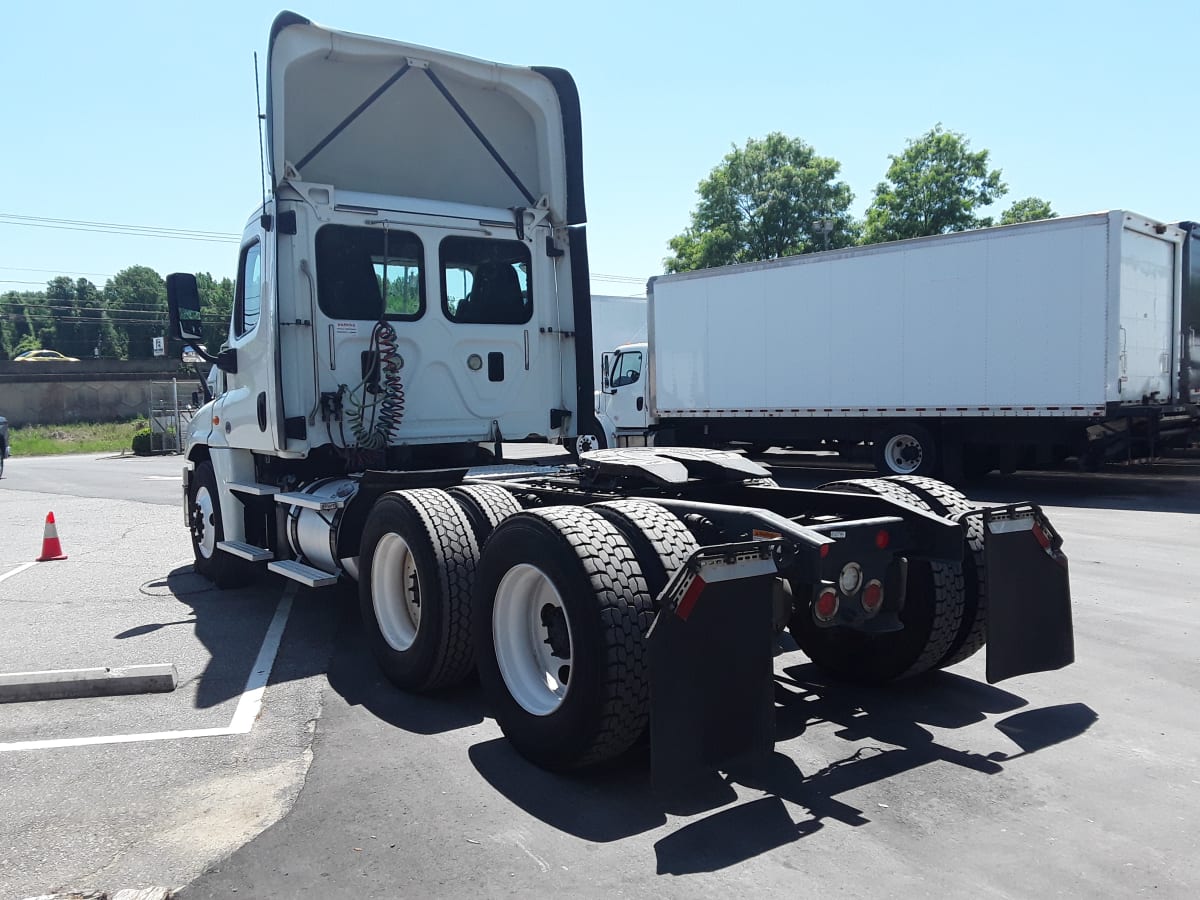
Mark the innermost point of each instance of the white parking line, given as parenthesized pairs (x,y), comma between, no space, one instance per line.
(18,570)
(248,709)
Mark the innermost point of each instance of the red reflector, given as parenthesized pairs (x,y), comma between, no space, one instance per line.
(824,551)
(1042,537)
(882,539)
(826,606)
(872,597)
(688,601)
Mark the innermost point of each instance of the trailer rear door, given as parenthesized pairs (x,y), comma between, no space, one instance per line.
(1149,311)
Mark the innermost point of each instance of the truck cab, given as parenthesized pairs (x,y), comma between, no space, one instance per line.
(623,403)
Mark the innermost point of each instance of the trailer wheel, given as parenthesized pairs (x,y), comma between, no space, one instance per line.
(561,612)
(944,500)
(207,529)
(660,541)
(905,449)
(931,616)
(486,506)
(417,562)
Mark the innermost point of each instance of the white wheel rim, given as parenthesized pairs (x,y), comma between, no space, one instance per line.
(204,526)
(536,678)
(586,442)
(904,454)
(396,591)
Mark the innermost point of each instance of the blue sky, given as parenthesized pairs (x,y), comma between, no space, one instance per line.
(143,114)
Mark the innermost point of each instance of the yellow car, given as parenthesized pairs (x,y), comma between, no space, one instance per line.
(43,356)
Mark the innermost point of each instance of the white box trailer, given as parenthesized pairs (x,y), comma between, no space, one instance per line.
(991,348)
(615,321)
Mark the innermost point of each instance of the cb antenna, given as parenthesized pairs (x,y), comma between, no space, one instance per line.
(262,153)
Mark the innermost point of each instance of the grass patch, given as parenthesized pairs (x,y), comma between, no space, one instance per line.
(82,437)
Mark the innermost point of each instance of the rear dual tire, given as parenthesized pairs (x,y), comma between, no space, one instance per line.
(932,615)
(561,613)
(417,573)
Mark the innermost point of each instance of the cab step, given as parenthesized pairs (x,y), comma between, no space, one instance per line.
(298,571)
(257,490)
(245,551)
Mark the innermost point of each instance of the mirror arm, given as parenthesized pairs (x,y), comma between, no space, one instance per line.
(226,360)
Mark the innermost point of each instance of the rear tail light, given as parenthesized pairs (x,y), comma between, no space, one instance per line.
(872,597)
(882,539)
(826,606)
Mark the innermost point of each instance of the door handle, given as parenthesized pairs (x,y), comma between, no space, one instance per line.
(640,403)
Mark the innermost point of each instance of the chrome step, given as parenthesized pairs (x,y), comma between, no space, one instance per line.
(258,490)
(298,571)
(309,501)
(245,551)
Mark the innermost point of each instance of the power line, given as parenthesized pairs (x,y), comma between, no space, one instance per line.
(119,227)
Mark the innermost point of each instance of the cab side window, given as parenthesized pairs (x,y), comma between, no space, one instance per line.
(627,370)
(248,302)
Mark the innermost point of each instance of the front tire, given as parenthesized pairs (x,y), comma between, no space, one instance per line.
(208,529)
(561,612)
(418,560)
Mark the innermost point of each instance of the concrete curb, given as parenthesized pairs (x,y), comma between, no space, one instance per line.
(152,893)
(65,684)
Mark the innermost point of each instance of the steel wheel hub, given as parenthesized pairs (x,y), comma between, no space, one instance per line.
(396,591)
(531,632)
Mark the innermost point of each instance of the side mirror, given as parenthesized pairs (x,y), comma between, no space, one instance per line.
(183,303)
(605,370)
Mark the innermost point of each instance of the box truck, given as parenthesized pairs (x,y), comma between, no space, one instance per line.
(995,348)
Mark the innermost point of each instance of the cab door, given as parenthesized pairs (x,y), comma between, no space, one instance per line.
(627,402)
(248,409)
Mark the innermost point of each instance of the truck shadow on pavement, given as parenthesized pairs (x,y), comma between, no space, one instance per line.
(889,735)
(231,624)
(354,674)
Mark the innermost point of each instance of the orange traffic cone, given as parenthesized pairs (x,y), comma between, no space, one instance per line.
(51,548)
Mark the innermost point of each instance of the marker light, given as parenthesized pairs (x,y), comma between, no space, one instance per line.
(872,597)
(850,579)
(826,606)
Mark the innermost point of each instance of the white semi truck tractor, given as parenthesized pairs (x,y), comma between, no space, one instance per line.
(411,294)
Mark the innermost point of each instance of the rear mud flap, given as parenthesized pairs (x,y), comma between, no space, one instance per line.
(1029,594)
(711,665)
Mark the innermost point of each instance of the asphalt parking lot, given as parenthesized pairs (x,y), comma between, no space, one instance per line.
(144,789)
(1082,782)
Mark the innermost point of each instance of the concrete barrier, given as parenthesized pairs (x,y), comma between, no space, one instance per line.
(66,684)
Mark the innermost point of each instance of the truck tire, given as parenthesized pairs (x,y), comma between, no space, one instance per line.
(417,571)
(486,506)
(905,448)
(561,612)
(207,529)
(931,616)
(944,500)
(660,541)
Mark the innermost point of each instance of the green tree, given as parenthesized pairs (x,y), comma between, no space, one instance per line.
(936,185)
(1031,209)
(765,200)
(216,304)
(136,300)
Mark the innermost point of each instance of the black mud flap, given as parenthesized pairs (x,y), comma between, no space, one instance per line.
(711,665)
(1029,594)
